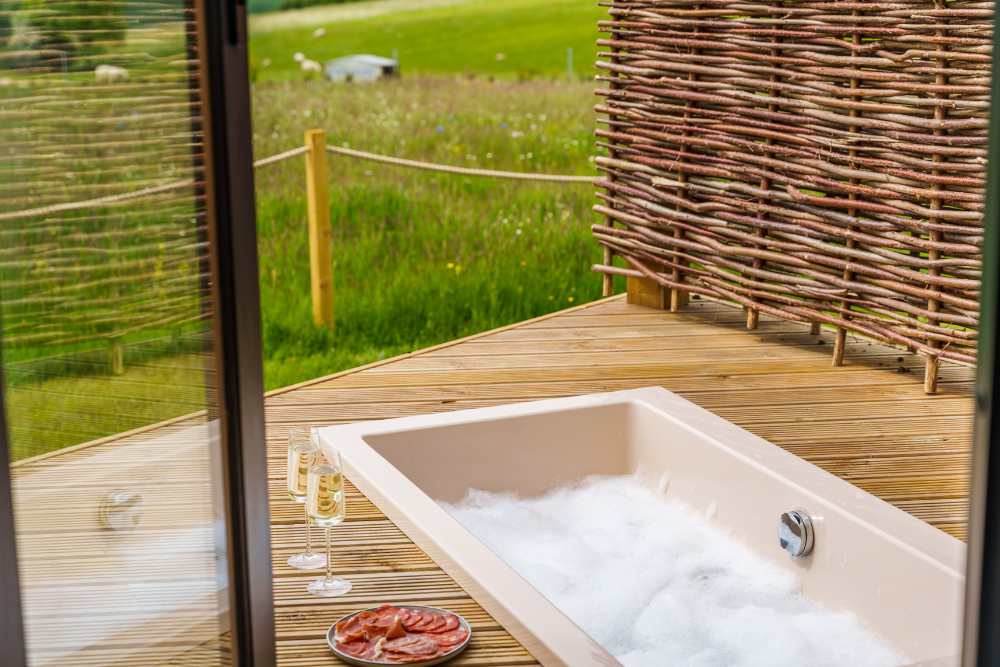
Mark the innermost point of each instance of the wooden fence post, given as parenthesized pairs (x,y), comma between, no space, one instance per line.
(116,355)
(320,241)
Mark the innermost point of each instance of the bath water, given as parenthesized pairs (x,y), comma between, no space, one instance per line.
(657,585)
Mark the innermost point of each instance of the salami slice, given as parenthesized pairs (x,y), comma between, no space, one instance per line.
(412,645)
(355,648)
(354,628)
(385,624)
(374,649)
(415,617)
(450,623)
(450,639)
(437,622)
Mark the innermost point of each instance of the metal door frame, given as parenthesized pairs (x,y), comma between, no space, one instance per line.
(230,208)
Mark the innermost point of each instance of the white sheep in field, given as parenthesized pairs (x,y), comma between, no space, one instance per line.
(110,74)
(310,66)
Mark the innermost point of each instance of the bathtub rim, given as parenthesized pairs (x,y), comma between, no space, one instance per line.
(561,641)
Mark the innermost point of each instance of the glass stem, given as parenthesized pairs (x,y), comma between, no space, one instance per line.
(329,561)
(309,542)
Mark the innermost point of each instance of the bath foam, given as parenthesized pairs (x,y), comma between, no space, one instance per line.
(656,584)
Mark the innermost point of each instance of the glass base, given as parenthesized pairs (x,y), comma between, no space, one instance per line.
(305,561)
(328,587)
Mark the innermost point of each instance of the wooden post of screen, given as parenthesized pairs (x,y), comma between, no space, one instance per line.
(320,241)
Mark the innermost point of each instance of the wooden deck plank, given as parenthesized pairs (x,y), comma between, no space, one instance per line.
(868,422)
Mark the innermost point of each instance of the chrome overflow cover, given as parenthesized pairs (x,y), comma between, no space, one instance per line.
(795,533)
(120,510)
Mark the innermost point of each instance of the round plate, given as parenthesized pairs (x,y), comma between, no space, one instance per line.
(462,623)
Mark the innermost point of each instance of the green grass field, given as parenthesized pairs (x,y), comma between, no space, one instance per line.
(509,39)
(419,258)
(422,258)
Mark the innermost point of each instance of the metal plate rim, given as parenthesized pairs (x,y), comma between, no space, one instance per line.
(455,652)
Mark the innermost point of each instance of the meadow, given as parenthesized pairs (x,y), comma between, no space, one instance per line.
(513,39)
(419,258)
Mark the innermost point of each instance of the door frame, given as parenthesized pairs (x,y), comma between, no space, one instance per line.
(981,629)
(236,341)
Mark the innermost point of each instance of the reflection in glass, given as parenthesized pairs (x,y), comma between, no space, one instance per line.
(105,298)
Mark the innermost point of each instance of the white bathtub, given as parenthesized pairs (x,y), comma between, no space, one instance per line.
(901,576)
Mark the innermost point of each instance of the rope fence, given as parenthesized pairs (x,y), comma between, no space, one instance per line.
(315,150)
(464,171)
(111,200)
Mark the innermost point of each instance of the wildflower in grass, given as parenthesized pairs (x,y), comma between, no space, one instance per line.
(523,263)
(517,231)
(500,57)
(489,156)
(439,129)
(451,265)
(516,134)
(569,299)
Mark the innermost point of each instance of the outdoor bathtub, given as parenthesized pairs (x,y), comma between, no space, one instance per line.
(902,577)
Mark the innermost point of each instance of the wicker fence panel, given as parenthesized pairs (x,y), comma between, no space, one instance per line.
(73,277)
(817,161)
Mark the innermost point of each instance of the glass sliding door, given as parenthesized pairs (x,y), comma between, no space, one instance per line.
(129,336)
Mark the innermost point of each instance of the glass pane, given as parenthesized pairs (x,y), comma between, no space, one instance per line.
(106,312)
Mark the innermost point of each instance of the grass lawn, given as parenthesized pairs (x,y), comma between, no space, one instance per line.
(421,258)
(511,39)
(64,411)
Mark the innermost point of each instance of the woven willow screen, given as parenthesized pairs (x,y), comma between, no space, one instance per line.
(817,161)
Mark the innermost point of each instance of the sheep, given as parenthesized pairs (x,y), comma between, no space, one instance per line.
(310,66)
(110,74)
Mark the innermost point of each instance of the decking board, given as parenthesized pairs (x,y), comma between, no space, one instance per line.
(868,421)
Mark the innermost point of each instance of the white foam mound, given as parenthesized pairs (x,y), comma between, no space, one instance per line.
(657,585)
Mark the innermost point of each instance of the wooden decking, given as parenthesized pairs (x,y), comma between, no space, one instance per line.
(868,422)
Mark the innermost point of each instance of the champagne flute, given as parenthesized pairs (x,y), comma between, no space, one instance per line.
(326,506)
(302,454)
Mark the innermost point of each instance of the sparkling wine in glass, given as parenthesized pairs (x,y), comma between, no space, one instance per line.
(326,505)
(302,453)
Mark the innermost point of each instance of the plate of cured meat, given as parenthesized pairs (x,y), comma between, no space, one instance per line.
(399,635)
